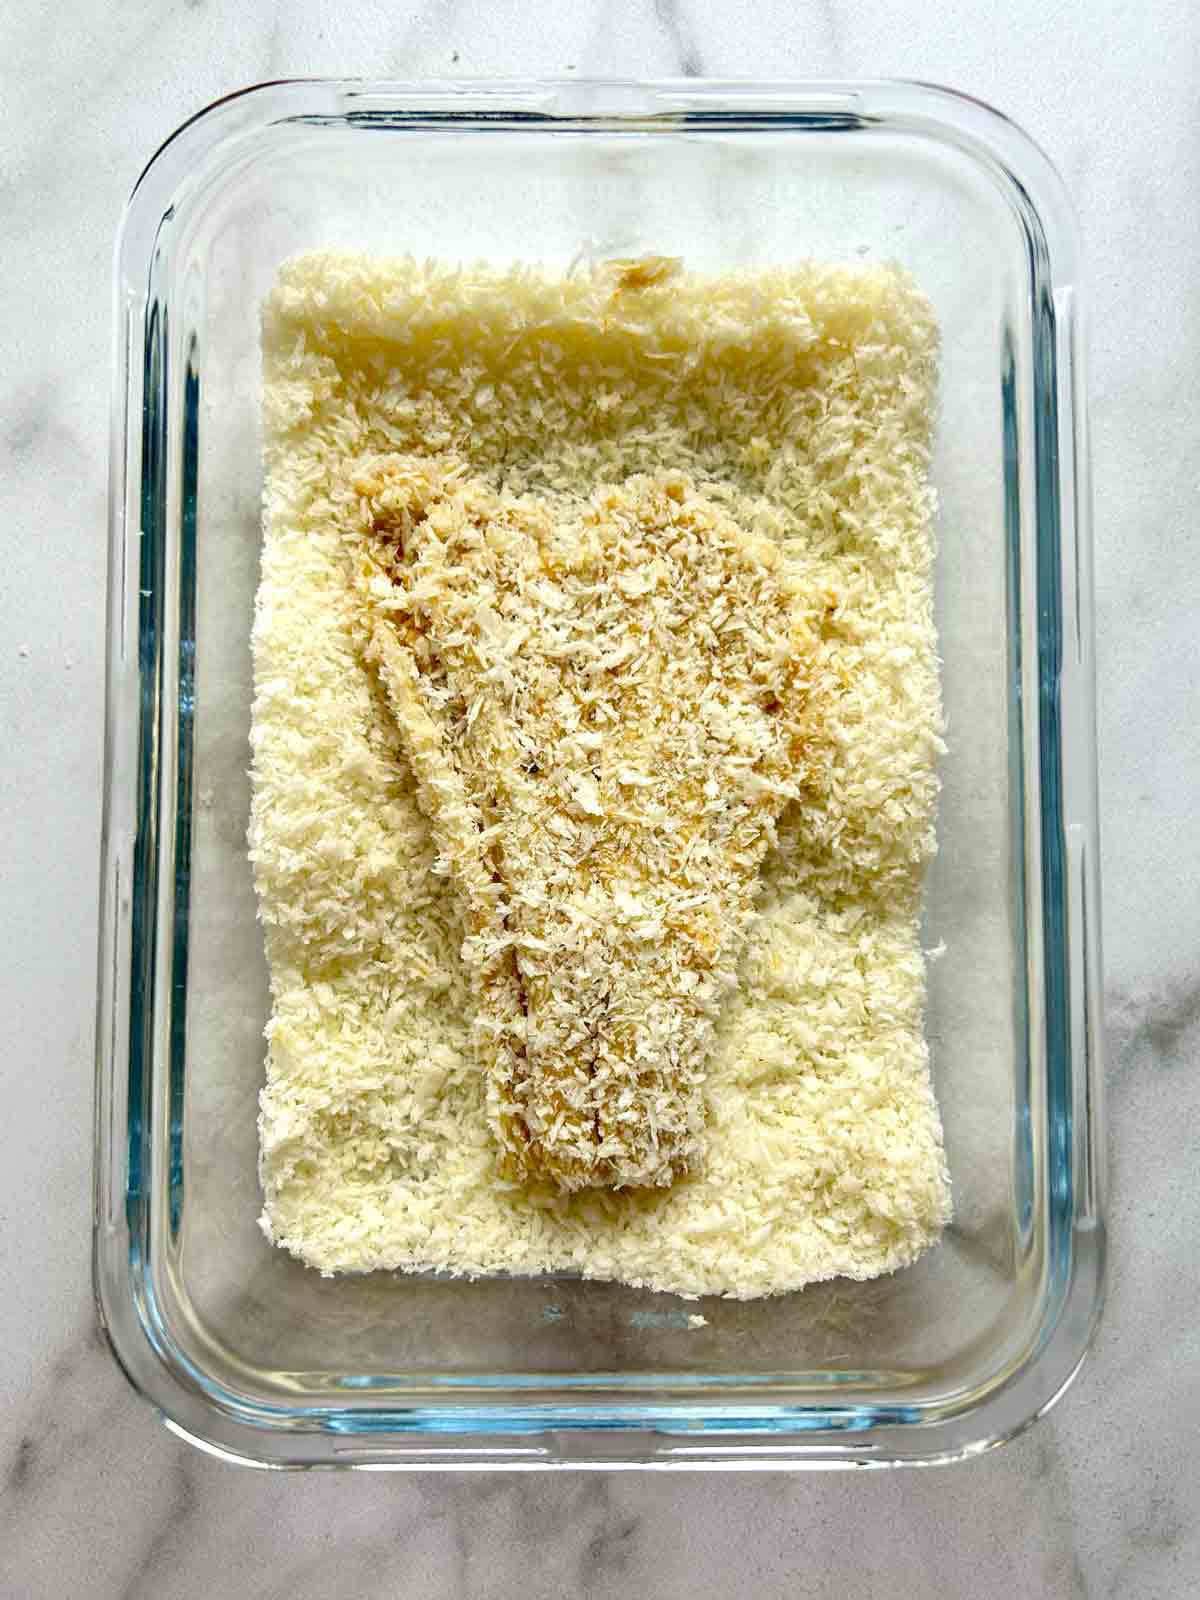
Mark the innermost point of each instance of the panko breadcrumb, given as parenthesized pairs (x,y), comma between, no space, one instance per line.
(789,408)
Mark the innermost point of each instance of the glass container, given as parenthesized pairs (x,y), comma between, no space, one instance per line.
(241,1348)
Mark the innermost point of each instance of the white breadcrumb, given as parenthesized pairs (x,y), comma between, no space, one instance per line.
(784,409)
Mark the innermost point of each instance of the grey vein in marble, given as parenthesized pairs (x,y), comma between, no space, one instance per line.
(670,16)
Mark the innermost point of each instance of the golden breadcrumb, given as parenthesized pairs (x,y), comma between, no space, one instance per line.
(605,717)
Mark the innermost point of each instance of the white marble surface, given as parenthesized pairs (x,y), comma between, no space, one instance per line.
(1102,1498)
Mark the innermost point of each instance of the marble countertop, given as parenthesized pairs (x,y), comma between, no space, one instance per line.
(1103,1497)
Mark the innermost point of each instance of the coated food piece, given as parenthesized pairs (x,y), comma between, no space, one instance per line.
(606,714)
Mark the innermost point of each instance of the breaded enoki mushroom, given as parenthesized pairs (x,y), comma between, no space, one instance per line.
(605,716)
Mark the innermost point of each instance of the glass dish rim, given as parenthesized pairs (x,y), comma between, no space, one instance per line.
(612,1434)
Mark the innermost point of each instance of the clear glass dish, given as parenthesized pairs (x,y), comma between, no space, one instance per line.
(249,1353)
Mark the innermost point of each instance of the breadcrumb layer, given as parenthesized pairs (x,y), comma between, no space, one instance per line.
(793,407)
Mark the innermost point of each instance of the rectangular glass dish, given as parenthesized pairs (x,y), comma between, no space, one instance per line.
(240,1347)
